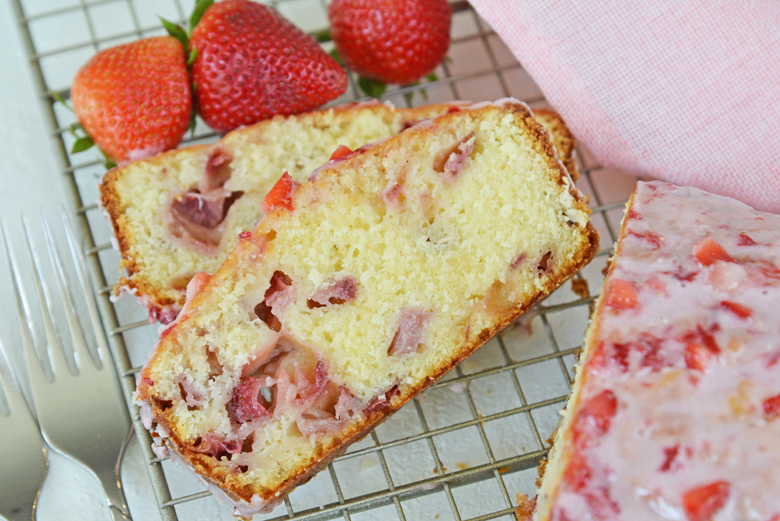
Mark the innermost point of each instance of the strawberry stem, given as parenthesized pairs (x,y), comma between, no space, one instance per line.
(178,32)
(83,143)
(191,59)
(191,126)
(323,36)
(197,13)
(57,97)
(107,161)
(371,87)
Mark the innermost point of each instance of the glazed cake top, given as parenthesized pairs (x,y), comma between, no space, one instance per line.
(679,412)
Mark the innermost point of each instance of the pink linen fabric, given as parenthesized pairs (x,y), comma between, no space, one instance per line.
(686,91)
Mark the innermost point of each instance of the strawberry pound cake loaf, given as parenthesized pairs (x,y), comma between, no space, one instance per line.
(675,412)
(357,290)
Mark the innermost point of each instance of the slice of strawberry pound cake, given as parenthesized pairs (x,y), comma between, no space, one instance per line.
(357,290)
(675,412)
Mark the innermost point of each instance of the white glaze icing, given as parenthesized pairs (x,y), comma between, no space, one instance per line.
(715,416)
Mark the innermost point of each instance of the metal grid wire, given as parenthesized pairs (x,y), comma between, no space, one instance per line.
(466,385)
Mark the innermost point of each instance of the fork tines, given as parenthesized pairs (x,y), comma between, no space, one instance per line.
(22,451)
(79,405)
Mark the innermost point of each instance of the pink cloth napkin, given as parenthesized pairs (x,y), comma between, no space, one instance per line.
(685,91)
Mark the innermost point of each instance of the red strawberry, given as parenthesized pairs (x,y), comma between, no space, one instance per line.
(702,503)
(341,151)
(738,309)
(621,294)
(708,251)
(697,356)
(250,64)
(134,100)
(578,473)
(280,196)
(394,41)
(771,407)
(594,418)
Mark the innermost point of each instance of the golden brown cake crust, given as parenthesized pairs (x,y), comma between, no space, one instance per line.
(360,426)
(563,139)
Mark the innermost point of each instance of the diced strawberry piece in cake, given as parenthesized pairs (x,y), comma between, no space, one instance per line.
(340,152)
(702,503)
(697,356)
(771,407)
(621,295)
(280,196)
(708,251)
(675,409)
(738,309)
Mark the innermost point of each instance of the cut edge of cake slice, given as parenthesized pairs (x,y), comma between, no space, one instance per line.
(156,206)
(358,290)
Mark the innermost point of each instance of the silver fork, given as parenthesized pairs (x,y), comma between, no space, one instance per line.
(81,415)
(22,451)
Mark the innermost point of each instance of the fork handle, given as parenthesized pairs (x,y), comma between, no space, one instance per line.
(115,495)
(119,515)
(111,484)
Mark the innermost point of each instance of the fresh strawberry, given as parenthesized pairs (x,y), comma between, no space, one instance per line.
(393,41)
(250,64)
(134,100)
(697,356)
(597,413)
(771,407)
(708,251)
(341,151)
(738,309)
(702,503)
(745,240)
(671,459)
(621,295)
(280,196)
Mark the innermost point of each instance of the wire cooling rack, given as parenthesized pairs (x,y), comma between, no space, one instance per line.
(463,448)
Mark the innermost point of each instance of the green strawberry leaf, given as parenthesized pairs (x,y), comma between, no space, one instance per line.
(323,36)
(373,88)
(57,97)
(75,128)
(82,144)
(191,59)
(177,32)
(107,161)
(432,76)
(197,13)
(336,56)
(191,126)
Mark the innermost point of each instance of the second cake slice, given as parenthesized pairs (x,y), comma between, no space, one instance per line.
(357,291)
